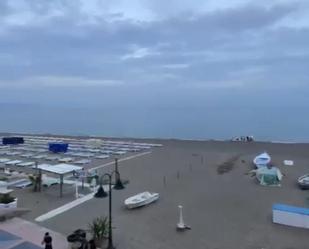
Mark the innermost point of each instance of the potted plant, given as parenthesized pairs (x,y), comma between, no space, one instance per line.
(99,230)
(36,181)
(7,201)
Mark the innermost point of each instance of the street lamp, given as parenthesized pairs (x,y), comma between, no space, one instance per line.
(101,194)
(118,183)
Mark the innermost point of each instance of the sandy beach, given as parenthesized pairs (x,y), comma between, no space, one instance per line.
(225,207)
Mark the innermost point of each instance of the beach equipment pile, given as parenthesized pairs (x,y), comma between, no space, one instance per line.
(269,176)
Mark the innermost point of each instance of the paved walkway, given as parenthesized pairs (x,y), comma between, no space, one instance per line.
(85,198)
(121,160)
(68,206)
(18,233)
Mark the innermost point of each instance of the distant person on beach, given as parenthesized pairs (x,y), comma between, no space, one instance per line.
(47,241)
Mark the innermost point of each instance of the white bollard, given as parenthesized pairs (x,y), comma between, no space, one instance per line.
(94,185)
(76,189)
(181,224)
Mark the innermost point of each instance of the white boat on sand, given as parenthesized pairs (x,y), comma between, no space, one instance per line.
(303,182)
(141,199)
(262,160)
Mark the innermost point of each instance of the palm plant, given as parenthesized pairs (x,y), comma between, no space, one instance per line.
(99,229)
(6,199)
(36,181)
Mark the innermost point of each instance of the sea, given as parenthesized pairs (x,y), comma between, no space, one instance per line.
(198,114)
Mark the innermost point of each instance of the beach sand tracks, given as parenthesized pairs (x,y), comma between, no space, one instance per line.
(228,165)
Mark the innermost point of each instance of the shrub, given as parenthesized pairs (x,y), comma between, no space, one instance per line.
(6,199)
(99,228)
(36,181)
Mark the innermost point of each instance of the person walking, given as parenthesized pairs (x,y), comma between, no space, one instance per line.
(47,241)
(92,244)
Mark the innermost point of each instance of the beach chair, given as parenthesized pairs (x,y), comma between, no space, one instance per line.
(48,181)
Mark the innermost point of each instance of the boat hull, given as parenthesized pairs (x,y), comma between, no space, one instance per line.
(130,203)
(261,160)
(303,182)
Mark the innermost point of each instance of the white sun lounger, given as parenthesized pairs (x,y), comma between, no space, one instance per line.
(26,164)
(94,150)
(23,184)
(124,149)
(119,152)
(83,161)
(39,156)
(131,149)
(28,155)
(20,148)
(52,158)
(4,160)
(13,162)
(86,154)
(27,149)
(40,150)
(2,147)
(107,152)
(49,181)
(102,157)
(66,160)
(39,165)
(13,153)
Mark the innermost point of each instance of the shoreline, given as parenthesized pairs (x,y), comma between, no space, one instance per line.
(150,138)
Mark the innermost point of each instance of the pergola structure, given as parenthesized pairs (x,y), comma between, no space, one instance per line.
(61,170)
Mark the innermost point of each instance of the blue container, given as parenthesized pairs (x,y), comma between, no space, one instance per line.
(58,147)
(12,140)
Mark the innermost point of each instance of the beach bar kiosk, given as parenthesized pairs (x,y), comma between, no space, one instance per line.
(12,140)
(58,147)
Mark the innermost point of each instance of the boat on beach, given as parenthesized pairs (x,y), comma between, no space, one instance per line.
(141,199)
(262,160)
(303,182)
(242,139)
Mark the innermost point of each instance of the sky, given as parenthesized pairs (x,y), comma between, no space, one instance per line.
(154,53)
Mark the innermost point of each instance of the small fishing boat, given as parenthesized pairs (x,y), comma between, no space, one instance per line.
(303,182)
(141,199)
(262,160)
(243,139)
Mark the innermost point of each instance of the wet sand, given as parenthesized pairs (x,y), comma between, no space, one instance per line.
(225,207)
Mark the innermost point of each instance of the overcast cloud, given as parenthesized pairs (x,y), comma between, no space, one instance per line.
(233,44)
(168,68)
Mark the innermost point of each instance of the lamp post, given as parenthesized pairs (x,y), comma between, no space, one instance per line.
(118,183)
(101,194)
(116,169)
